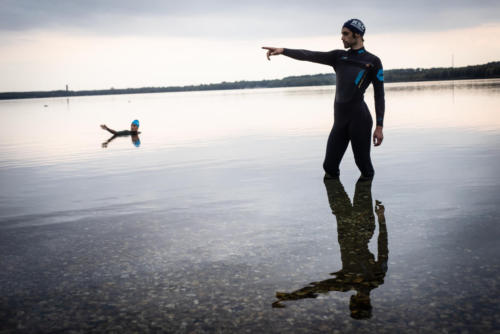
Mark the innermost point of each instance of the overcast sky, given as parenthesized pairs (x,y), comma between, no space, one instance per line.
(99,44)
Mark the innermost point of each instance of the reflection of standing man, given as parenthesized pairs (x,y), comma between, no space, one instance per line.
(355,68)
(360,271)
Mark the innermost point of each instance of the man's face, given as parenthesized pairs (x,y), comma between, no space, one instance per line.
(134,127)
(348,38)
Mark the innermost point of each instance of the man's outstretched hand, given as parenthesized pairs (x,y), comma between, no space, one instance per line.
(272,51)
(378,136)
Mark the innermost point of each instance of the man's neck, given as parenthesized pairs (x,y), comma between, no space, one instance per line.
(357,46)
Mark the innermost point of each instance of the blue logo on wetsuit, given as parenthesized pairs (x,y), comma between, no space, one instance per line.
(380,75)
(360,75)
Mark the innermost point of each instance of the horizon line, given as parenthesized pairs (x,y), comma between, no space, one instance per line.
(226,82)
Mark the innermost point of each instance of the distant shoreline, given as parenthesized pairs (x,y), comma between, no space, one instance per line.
(485,71)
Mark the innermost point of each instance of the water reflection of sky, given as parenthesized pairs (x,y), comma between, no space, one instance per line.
(223,206)
(68,129)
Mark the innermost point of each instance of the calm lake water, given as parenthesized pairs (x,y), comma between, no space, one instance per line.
(220,220)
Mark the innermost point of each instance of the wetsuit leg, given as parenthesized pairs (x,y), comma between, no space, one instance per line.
(338,199)
(360,129)
(336,146)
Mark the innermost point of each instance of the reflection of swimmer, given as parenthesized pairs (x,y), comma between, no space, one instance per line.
(355,227)
(134,133)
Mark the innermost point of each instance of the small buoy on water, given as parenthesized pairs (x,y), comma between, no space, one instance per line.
(45,105)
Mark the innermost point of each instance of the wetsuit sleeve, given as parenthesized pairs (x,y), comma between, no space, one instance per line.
(325,58)
(378,88)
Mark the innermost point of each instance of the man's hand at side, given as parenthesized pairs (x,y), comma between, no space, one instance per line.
(378,136)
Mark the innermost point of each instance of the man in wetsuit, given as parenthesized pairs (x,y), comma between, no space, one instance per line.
(134,133)
(355,69)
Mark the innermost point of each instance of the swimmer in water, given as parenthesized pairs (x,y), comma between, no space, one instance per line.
(133,132)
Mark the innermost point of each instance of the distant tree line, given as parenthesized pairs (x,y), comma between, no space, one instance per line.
(485,71)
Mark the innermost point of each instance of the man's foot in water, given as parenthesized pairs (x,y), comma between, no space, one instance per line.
(365,178)
(330,177)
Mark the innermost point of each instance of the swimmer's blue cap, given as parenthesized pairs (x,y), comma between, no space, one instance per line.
(136,122)
(356,26)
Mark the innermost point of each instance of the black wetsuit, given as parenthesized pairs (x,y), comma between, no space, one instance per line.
(126,133)
(355,70)
(123,133)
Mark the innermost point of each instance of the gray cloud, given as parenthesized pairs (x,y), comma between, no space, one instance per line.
(230,19)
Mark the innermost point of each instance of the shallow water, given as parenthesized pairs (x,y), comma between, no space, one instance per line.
(220,220)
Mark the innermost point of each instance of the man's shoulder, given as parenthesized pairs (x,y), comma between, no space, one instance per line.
(372,56)
(339,51)
(339,54)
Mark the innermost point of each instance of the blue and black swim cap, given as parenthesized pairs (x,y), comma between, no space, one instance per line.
(135,122)
(356,26)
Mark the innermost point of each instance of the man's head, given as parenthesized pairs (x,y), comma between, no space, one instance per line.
(352,33)
(360,305)
(134,126)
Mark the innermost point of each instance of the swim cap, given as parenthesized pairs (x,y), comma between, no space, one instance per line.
(136,122)
(356,26)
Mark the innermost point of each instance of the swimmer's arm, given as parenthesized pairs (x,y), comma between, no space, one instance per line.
(103,126)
